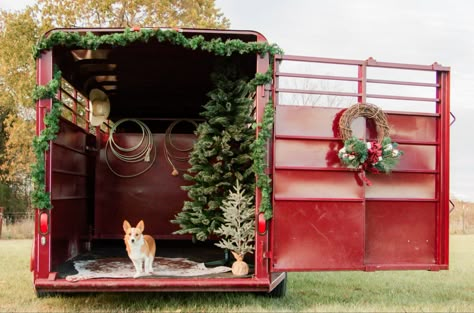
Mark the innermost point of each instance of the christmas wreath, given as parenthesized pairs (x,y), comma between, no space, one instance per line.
(378,156)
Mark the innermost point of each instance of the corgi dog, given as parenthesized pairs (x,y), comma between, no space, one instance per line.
(140,248)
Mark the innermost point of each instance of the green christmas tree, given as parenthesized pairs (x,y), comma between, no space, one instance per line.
(221,154)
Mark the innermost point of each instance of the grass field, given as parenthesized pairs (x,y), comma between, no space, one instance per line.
(407,291)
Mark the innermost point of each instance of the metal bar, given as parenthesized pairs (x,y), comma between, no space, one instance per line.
(154,284)
(371,268)
(299,137)
(262,97)
(319,92)
(44,75)
(101,31)
(74,107)
(88,117)
(73,113)
(280,198)
(73,98)
(427,114)
(312,76)
(362,85)
(69,148)
(443,78)
(391,97)
(310,168)
(345,169)
(390,267)
(164,119)
(403,66)
(70,198)
(315,138)
(402,199)
(70,173)
(272,151)
(318,60)
(370,62)
(397,82)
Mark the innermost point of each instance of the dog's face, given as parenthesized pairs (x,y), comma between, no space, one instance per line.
(133,235)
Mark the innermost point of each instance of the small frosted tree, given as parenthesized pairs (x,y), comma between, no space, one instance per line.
(238,229)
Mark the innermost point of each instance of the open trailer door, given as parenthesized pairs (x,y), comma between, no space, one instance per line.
(330,217)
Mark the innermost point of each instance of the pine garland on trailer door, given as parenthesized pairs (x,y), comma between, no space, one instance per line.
(221,155)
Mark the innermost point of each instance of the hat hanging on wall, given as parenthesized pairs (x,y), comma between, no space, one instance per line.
(99,106)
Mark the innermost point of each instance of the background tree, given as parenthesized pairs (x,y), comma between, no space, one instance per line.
(21,29)
(128,13)
(17,72)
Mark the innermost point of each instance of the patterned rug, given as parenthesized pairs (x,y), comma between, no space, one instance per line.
(123,268)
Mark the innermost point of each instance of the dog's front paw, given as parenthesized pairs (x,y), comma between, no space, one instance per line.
(137,274)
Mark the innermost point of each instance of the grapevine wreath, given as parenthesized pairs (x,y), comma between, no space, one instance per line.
(377,156)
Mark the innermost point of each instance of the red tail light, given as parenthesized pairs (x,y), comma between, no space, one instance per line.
(262,224)
(44,223)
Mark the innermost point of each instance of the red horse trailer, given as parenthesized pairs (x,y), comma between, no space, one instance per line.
(325,216)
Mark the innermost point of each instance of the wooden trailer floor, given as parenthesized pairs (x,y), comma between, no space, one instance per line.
(108,259)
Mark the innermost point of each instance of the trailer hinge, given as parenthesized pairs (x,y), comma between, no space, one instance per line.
(268,255)
(52,276)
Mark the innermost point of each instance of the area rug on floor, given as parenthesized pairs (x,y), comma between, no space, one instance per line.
(123,268)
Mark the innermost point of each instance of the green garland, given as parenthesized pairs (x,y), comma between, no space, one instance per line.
(89,40)
(40,198)
(93,42)
(259,147)
(259,156)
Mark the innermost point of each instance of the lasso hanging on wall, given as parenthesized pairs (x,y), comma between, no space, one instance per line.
(141,152)
(172,151)
(379,156)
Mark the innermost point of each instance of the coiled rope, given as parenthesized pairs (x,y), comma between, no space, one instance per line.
(137,153)
(169,146)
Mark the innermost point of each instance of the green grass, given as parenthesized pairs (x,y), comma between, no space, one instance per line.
(402,291)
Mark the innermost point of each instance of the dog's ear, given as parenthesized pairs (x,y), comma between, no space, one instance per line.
(141,226)
(126,226)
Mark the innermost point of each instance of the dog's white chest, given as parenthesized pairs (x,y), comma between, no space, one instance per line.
(136,249)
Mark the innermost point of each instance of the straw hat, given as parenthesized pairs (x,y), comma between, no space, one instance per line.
(99,106)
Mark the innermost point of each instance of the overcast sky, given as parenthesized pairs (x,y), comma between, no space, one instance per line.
(405,31)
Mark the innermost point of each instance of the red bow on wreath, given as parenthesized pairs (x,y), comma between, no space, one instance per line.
(374,153)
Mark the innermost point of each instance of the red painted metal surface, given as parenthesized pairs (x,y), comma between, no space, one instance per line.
(310,122)
(42,243)
(318,235)
(325,218)
(443,79)
(401,220)
(313,185)
(400,232)
(156,285)
(70,194)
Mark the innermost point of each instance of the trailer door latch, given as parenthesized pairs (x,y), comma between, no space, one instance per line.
(268,255)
